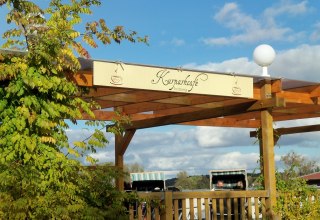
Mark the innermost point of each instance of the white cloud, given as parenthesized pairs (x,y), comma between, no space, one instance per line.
(238,65)
(167,163)
(233,18)
(178,149)
(103,156)
(177,42)
(236,159)
(248,29)
(315,35)
(197,150)
(301,63)
(163,138)
(286,7)
(222,137)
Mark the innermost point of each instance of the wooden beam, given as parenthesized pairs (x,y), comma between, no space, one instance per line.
(296,116)
(193,99)
(109,115)
(126,139)
(225,122)
(292,130)
(276,86)
(147,106)
(213,105)
(302,88)
(301,129)
(140,96)
(316,100)
(206,113)
(315,92)
(105,91)
(246,116)
(197,106)
(82,78)
(221,103)
(296,97)
(99,115)
(109,104)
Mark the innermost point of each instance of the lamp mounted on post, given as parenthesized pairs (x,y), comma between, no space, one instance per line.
(264,55)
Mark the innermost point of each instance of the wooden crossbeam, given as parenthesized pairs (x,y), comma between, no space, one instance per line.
(82,78)
(296,116)
(292,130)
(296,97)
(225,122)
(207,113)
(125,141)
(99,115)
(147,106)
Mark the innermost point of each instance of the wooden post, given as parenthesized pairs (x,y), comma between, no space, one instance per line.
(267,152)
(167,214)
(119,161)
(121,144)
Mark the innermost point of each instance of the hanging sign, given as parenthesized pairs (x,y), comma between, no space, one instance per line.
(123,75)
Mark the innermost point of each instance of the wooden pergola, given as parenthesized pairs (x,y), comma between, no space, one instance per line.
(270,100)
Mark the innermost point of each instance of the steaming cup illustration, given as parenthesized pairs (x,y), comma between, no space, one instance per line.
(116,80)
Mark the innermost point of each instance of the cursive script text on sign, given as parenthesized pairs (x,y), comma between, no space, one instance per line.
(186,84)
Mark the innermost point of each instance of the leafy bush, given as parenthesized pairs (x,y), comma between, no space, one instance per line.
(296,200)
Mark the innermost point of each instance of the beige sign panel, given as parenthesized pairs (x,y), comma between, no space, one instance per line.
(170,80)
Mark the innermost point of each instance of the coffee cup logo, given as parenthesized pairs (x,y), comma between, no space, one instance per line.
(236,90)
(116,79)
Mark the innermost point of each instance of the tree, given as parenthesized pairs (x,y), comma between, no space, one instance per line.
(132,168)
(202,182)
(38,177)
(184,181)
(298,164)
(99,191)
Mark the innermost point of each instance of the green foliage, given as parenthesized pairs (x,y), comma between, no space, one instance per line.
(296,199)
(184,181)
(99,191)
(38,177)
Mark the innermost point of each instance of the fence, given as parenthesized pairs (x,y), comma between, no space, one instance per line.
(209,205)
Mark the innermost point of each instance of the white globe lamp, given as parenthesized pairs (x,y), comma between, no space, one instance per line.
(264,55)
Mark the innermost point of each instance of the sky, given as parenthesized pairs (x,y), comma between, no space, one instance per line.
(216,36)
